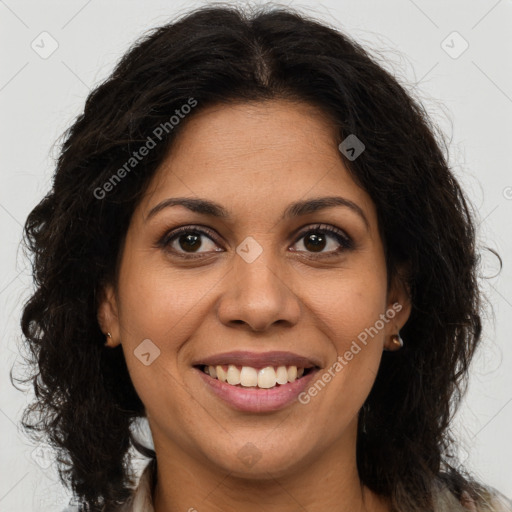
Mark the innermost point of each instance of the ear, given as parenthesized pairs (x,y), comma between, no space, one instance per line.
(107,315)
(399,301)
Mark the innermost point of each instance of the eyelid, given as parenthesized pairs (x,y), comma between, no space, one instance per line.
(345,241)
(327,228)
(171,234)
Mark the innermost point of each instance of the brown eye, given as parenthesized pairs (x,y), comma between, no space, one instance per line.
(188,240)
(314,242)
(321,237)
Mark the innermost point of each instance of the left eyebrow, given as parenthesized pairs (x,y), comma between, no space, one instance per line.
(296,209)
(313,205)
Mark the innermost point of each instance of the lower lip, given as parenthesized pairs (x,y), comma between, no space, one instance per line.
(256,399)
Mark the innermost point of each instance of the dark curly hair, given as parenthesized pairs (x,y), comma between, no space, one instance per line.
(85,402)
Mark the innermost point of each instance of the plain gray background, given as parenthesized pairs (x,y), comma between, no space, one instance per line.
(467,93)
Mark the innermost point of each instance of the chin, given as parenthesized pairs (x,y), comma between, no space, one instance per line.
(253,460)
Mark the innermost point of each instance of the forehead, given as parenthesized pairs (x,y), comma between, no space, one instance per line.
(258,154)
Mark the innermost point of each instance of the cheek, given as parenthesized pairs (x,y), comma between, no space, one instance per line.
(158,314)
(352,302)
(167,308)
(350,312)
(157,302)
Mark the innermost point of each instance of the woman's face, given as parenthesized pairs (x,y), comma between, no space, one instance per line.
(262,287)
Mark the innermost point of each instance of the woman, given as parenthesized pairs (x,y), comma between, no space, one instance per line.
(254,241)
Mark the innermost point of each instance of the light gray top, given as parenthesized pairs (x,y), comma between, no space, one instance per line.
(141,500)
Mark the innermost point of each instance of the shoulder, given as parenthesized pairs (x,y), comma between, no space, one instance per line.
(487,499)
(491,500)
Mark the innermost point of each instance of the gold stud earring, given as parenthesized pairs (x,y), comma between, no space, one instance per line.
(397,340)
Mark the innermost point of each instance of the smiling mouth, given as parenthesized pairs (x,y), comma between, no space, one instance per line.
(249,377)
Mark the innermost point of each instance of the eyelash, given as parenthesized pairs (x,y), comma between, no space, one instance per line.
(345,242)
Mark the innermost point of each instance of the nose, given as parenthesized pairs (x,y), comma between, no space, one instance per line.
(259,294)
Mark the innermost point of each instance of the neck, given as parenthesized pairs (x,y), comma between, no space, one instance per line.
(329,482)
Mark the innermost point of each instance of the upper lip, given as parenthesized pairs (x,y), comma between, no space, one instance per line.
(259,359)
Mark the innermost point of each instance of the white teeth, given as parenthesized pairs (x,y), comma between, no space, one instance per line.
(233,375)
(264,378)
(221,373)
(267,378)
(282,375)
(248,376)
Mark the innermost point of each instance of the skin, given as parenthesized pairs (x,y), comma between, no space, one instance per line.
(254,159)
